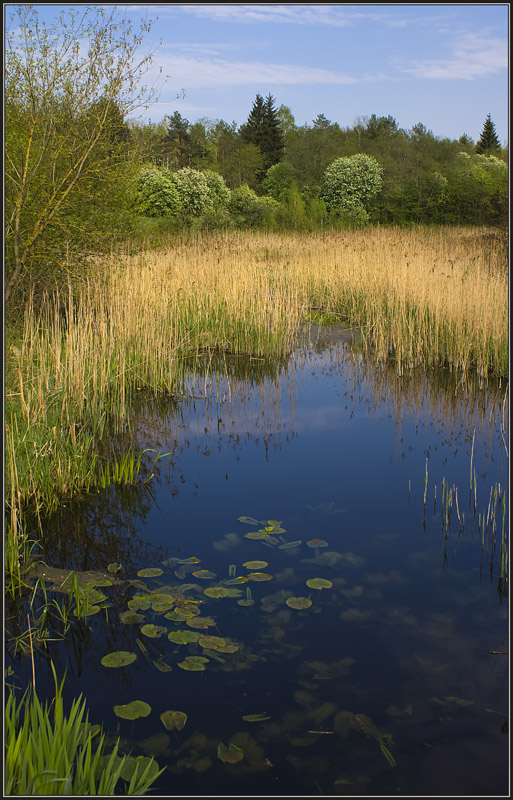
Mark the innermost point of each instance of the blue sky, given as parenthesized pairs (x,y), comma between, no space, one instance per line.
(445,65)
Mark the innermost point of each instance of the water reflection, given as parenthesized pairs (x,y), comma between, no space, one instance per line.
(385,680)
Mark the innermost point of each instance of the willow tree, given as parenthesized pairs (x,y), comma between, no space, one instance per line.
(69,87)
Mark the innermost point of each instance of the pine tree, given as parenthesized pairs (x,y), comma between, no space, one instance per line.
(489,143)
(264,130)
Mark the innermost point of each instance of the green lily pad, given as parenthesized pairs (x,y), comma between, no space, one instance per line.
(288,545)
(211,642)
(255,564)
(139,763)
(298,603)
(153,631)
(183,637)
(120,658)
(319,583)
(249,520)
(200,622)
(255,717)
(133,710)
(191,560)
(256,535)
(246,601)
(173,720)
(259,577)
(131,618)
(315,543)
(139,602)
(204,574)
(234,581)
(193,663)
(229,647)
(162,602)
(229,754)
(181,613)
(162,666)
(217,591)
(86,612)
(150,572)
(113,568)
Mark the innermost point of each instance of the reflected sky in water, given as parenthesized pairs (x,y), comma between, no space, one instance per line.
(399,646)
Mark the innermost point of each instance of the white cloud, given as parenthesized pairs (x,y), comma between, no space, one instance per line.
(204,73)
(274,13)
(473,56)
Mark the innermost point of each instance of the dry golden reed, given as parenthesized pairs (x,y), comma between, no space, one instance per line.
(425,297)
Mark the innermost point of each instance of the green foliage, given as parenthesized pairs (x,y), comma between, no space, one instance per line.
(50,753)
(66,144)
(349,184)
(264,130)
(279,178)
(194,192)
(157,193)
(488,143)
(249,210)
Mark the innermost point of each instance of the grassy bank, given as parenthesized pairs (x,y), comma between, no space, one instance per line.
(423,297)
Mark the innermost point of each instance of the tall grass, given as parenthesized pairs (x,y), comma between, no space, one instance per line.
(423,297)
(50,753)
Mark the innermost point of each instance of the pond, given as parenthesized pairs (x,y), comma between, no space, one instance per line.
(314,575)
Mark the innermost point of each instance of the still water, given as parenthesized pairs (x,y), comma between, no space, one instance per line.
(390,676)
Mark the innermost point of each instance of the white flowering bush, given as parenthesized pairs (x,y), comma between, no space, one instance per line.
(157,194)
(219,192)
(194,192)
(349,183)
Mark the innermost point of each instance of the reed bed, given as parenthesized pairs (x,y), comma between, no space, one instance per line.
(423,297)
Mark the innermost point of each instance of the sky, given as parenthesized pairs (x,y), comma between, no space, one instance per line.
(442,64)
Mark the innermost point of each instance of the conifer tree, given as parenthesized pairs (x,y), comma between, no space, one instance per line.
(488,143)
(264,130)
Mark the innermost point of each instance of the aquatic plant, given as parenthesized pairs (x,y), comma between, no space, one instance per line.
(48,752)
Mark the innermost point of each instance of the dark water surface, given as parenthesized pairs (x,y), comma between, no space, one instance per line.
(386,683)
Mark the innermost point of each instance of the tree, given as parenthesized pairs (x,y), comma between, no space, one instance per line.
(178,138)
(67,86)
(157,194)
(488,143)
(264,130)
(349,184)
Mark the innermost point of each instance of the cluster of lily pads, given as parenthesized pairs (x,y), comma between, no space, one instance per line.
(180,604)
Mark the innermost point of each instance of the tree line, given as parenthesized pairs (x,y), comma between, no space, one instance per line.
(79,171)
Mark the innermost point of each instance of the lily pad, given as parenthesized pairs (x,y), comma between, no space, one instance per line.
(139,763)
(315,543)
(150,572)
(217,591)
(193,663)
(131,618)
(211,642)
(133,710)
(246,601)
(173,720)
(162,666)
(113,568)
(234,581)
(87,612)
(153,631)
(139,602)
(200,622)
(120,658)
(256,535)
(259,577)
(255,717)
(191,560)
(229,754)
(204,574)
(298,603)
(183,637)
(288,545)
(182,613)
(319,583)
(249,520)
(255,564)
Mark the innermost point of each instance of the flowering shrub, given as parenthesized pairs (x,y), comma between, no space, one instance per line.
(349,183)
